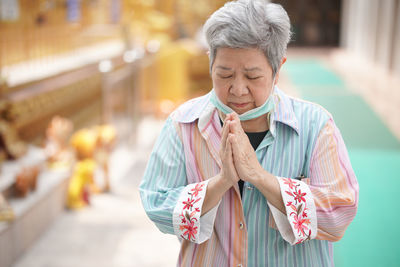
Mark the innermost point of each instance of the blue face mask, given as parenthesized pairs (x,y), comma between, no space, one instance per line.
(248,115)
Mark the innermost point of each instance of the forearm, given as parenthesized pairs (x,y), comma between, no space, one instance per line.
(268,185)
(216,188)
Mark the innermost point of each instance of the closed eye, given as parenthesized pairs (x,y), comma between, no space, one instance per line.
(253,78)
(225,77)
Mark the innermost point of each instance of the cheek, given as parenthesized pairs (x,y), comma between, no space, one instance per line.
(260,95)
(220,83)
(221,88)
(260,100)
(222,94)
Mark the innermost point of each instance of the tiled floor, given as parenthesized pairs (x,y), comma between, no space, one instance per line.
(379,89)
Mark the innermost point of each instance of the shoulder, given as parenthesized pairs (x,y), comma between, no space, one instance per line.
(190,110)
(309,112)
(304,116)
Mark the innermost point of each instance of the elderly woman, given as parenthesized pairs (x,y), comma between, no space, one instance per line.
(247,175)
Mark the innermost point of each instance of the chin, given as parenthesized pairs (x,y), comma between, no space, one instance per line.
(240,110)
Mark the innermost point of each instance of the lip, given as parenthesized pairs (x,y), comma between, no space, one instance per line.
(240,105)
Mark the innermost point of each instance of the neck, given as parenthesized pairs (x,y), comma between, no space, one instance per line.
(259,124)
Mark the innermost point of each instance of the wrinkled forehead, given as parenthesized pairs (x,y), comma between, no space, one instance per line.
(247,60)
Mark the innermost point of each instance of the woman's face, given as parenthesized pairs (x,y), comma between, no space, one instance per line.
(242,78)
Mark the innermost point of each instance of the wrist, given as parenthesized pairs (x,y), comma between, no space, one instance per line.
(223,182)
(259,177)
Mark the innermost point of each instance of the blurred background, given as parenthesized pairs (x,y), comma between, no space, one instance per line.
(85,86)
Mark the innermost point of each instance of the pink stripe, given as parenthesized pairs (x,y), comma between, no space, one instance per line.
(230,240)
(338,208)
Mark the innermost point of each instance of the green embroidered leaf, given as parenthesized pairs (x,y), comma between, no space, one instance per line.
(299,209)
(187,215)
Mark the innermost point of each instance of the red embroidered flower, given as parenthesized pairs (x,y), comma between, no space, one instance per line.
(299,196)
(300,225)
(191,230)
(188,216)
(197,189)
(289,182)
(183,219)
(188,203)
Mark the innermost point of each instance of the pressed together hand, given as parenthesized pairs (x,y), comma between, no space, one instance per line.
(239,161)
(228,170)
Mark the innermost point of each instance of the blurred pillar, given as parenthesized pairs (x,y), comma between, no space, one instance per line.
(385,32)
(395,64)
(370,30)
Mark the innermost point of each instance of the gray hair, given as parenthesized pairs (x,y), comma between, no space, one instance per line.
(249,24)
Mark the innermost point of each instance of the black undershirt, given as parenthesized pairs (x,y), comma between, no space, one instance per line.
(255,140)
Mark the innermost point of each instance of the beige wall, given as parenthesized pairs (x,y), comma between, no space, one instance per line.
(371,30)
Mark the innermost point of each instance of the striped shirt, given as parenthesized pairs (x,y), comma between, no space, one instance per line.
(303,149)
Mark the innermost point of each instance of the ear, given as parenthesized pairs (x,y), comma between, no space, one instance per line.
(279,70)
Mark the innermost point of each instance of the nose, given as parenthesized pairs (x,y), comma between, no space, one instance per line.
(239,87)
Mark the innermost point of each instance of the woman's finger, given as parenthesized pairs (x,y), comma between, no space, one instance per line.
(236,150)
(232,142)
(229,160)
(225,131)
(235,117)
(225,157)
(236,128)
(228,147)
(235,125)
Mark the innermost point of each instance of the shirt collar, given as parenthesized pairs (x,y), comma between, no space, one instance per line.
(202,109)
(284,112)
(192,110)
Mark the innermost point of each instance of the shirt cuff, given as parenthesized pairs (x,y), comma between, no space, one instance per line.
(187,220)
(300,222)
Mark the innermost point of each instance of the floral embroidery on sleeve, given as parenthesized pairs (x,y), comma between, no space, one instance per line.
(300,210)
(189,210)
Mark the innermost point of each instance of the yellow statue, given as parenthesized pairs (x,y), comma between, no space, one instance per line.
(82,181)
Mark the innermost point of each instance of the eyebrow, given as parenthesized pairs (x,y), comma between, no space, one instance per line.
(252,69)
(245,69)
(222,67)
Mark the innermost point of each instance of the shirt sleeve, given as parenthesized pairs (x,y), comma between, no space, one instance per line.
(169,201)
(186,217)
(323,205)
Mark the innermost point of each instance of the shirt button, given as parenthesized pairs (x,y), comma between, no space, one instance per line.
(240,227)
